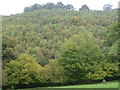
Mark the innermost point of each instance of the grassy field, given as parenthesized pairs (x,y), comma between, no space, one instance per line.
(112,84)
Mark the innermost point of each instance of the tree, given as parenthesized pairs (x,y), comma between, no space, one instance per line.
(49,5)
(103,71)
(84,7)
(79,57)
(112,34)
(107,7)
(8,52)
(74,20)
(69,7)
(24,70)
(26,9)
(35,7)
(59,5)
(111,42)
(111,52)
(53,73)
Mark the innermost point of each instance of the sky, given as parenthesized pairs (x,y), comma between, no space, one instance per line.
(8,7)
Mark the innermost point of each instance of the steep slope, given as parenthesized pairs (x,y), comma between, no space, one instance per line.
(41,33)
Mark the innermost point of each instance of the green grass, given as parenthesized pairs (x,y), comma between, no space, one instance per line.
(112,84)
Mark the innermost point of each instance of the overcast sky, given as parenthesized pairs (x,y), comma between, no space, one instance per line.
(8,7)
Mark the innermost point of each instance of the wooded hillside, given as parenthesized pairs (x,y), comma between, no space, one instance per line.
(60,46)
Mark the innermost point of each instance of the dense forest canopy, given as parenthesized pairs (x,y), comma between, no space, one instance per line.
(59,46)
